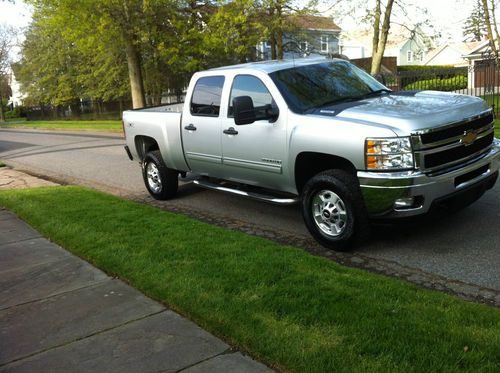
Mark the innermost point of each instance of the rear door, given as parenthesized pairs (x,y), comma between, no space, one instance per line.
(201,127)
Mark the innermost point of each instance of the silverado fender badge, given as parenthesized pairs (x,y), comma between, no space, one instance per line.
(327,111)
(468,138)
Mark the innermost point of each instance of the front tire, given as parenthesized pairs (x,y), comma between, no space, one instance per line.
(161,181)
(334,211)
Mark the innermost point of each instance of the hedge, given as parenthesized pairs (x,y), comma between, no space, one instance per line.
(447,84)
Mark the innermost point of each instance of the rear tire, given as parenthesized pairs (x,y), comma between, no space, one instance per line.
(333,210)
(161,181)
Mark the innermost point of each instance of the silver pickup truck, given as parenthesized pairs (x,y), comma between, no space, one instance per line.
(324,133)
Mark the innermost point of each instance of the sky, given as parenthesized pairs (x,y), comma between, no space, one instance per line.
(447,16)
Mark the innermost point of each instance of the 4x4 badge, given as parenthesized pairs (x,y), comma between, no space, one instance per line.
(468,138)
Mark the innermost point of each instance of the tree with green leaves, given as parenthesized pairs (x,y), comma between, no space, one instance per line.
(7,37)
(475,25)
(235,30)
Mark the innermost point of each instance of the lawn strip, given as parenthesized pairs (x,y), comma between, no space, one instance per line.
(78,125)
(497,128)
(288,308)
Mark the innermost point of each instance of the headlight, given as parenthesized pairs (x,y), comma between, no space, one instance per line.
(389,154)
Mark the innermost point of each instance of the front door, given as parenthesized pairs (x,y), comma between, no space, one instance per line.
(253,153)
(201,127)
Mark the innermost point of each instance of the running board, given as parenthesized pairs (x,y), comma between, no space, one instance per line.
(258,196)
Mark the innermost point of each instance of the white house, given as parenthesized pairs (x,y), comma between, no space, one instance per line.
(17,97)
(451,54)
(314,36)
(410,45)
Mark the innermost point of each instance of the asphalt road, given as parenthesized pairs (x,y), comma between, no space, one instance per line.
(464,246)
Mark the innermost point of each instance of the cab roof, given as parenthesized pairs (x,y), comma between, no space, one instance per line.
(274,65)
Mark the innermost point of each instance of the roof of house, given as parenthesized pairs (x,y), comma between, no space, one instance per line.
(462,48)
(315,23)
(398,36)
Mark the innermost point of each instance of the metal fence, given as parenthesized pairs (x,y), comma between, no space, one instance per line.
(481,79)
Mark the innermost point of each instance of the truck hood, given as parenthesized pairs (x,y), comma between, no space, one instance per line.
(407,112)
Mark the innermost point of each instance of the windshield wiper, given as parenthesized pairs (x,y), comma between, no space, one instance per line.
(349,99)
(374,93)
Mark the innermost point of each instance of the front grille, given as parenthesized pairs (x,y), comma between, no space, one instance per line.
(451,155)
(456,130)
(443,149)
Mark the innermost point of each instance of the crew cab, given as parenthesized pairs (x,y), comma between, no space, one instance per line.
(321,132)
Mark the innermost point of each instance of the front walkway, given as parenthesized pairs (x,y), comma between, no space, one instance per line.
(60,314)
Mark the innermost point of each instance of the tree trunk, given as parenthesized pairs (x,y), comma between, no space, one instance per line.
(379,54)
(273,46)
(279,44)
(376,28)
(494,21)
(488,26)
(135,75)
(2,115)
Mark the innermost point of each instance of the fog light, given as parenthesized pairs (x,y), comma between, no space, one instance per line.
(404,203)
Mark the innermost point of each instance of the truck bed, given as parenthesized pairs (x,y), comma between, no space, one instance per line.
(161,124)
(170,108)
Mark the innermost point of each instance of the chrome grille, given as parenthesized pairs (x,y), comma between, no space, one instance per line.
(454,144)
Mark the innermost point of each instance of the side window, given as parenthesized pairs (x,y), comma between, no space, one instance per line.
(247,85)
(206,96)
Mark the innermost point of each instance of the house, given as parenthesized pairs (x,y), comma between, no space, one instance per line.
(17,97)
(483,74)
(451,54)
(409,44)
(309,36)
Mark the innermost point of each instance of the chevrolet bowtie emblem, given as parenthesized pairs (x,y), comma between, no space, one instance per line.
(468,138)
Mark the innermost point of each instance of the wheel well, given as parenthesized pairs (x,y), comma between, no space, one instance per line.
(308,164)
(145,144)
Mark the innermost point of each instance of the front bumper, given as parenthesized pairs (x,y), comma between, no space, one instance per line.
(382,190)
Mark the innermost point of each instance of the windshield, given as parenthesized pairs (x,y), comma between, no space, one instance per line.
(313,86)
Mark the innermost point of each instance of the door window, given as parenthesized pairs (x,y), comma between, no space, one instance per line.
(247,85)
(207,96)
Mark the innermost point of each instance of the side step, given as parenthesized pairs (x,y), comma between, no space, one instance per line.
(254,195)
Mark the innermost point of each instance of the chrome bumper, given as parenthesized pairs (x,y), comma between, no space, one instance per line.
(382,190)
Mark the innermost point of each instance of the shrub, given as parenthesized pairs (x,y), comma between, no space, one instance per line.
(16,112)
(424,67)
(448,84)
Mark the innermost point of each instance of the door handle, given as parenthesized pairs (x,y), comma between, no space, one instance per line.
(191,127)
(230,131)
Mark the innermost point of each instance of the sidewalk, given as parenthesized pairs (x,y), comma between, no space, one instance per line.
(60,314)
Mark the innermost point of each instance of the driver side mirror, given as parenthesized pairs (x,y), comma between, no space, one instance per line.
(244,111)
(380,77)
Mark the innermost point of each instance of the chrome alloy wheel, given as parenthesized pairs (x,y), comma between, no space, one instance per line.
(329,213)
(154,179)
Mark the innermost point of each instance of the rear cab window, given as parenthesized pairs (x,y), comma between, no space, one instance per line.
(207,96)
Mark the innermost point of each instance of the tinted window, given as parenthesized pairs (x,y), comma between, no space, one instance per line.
(207,95)
(312,86)
(247,85)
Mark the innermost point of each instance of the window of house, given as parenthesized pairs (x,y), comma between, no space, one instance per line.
(409,56)
(247,85)
(324,43)
(206,96)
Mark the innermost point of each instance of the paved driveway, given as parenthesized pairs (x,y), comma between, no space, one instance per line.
(463,248)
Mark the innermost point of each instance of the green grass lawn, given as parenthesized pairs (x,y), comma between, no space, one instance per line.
(78,125)
(497,128)
(294,311)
